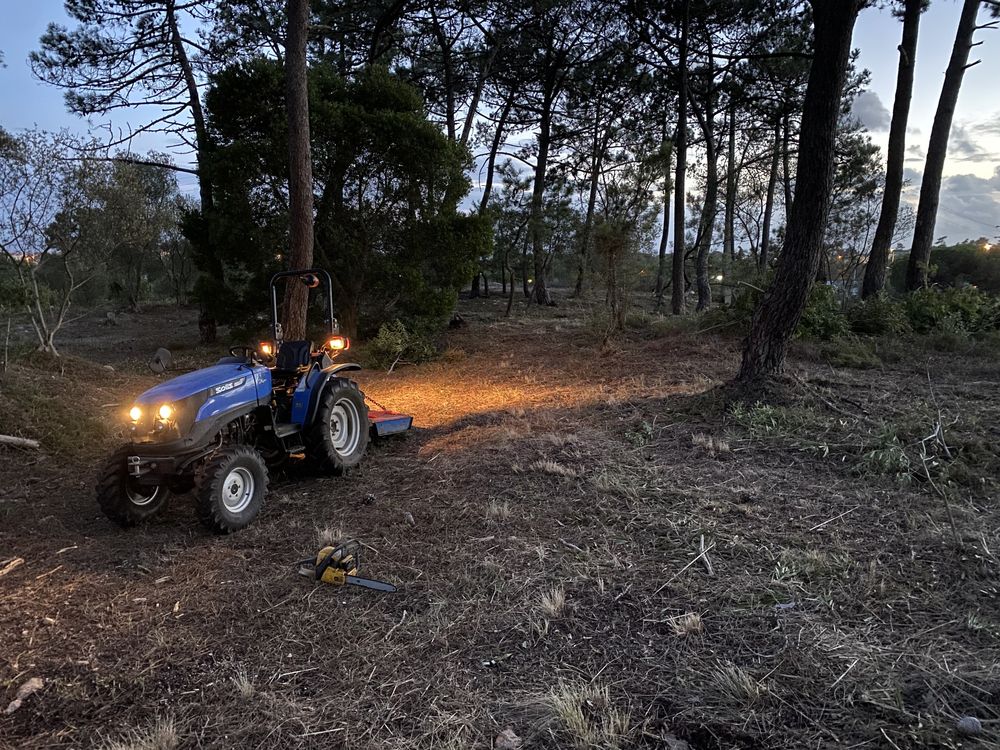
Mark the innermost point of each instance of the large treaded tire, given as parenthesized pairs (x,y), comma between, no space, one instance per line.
(230,488)
(121,499)
(341,407)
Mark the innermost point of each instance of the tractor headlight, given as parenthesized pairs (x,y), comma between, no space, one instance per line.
(135,413)
(338,344)
(165,412)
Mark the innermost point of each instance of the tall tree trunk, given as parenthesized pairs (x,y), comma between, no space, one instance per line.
(206,320)
(677,270)
(729,229)
(878,259)
(772,181)
(661,269)
(300,186)
(541,292)
(786,154)
(710,208)
(596,158)
(937,149)
(776,317)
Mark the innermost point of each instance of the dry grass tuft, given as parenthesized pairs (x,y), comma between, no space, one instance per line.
(161,736)
(244,684)
(329,535)
(736,685)
(560,440)
(498,511)
(690,623)
(714,446)
(584,714)
(554,468)
(553,603)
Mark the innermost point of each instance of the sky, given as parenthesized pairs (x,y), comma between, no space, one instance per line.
(970,197)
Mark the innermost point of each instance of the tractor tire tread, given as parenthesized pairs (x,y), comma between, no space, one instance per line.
(113,501)
(208,486)
(319,452)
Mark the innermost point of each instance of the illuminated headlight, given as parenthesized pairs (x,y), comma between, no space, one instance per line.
(165,412)
(135,413)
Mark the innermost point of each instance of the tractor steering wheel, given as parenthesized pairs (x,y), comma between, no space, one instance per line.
(245,352)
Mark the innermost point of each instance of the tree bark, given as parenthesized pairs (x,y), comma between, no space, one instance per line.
(878,259)
(494,148)
(598,146)
(710,207)
(540,293)
(729,224)
(772,181)
(677,269)
(776,317)
(300,186)
(661,269)
(937,149)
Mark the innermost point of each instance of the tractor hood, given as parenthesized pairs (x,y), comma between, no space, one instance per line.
(192,383)
(204,394)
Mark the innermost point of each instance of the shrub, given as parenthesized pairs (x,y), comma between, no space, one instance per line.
(823,317)
(394,344)
(878,316)
(953,310)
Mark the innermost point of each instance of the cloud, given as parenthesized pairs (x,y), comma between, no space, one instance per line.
(963,144)
(969,206)
(870,110)
(916,153)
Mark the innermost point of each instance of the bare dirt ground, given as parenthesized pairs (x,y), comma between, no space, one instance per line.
(545,523)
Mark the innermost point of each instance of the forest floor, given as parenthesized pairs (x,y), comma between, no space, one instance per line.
(594,549)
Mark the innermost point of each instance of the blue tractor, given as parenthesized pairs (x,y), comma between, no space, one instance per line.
(216,431)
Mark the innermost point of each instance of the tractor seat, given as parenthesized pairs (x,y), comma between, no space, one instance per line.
(292,355)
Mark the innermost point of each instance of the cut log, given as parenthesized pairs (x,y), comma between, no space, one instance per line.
(19,442)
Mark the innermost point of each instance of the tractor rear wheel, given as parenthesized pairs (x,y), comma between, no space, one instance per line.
(338,437)
(122,499)
(230,488)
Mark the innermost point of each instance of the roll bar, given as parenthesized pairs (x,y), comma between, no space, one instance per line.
(311,277)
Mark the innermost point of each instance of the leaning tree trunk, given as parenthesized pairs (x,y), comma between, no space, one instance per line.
(598,146)
(300,187)
(781,307)
(878,259)
(937,149)
(677,269)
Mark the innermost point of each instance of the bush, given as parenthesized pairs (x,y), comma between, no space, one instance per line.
(878,316)
(953,310)
(394,344)
(823,317)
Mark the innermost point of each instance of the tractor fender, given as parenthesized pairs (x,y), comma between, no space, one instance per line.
(327,376)
(345,367)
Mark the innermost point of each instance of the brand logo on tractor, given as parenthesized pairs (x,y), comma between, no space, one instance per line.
(226,387)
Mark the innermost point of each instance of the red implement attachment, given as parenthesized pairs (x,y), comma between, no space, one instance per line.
(389,422)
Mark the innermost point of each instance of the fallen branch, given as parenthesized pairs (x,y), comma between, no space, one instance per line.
(19,442)
(16,562)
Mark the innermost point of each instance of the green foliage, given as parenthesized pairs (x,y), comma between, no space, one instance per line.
(823,317)
(395,343)
(964,264)
(878,316)
(952,310)
(387,184)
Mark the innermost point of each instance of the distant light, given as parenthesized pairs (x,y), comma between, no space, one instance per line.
(987,247)
(719,277)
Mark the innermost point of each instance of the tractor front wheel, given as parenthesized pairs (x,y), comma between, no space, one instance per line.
(338,437)
(122,499)
(230,488)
